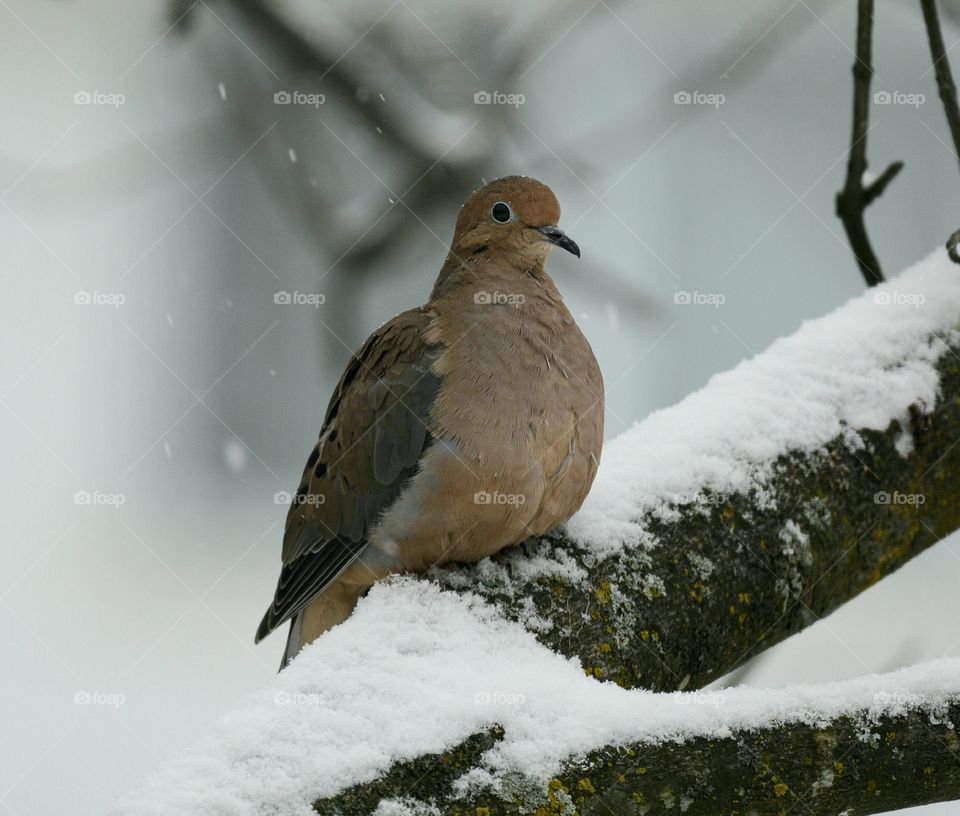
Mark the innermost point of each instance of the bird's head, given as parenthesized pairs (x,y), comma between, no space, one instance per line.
(516,215)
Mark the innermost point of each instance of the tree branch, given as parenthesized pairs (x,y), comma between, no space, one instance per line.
(854,198)
(857,765)
(948,92)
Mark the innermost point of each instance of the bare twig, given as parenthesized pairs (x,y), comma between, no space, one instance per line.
(854,198)
(948,92)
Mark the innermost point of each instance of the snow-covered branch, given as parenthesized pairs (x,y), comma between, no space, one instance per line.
(783,488)
(858,747)
(715,529)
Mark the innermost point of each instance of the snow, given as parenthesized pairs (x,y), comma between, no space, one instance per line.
(859,367)
(417,669)
(234,455)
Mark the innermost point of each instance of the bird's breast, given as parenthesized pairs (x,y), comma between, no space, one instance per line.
(517,423)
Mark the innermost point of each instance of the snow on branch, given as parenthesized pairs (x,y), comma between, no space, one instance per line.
(420,669)
(836,748)
(715,529)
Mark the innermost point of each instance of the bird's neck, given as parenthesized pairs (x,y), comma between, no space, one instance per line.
(471,268)
(490,296)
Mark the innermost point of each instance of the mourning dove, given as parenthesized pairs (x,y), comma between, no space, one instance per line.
(458,428)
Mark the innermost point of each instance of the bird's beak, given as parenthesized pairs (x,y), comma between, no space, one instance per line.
(559,238)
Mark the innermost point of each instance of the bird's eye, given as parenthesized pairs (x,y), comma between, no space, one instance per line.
(501,212)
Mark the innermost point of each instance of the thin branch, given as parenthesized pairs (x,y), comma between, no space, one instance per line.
(854,198)
(941,67)
(948,93)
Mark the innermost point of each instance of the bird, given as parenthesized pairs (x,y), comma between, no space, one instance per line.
(458,428)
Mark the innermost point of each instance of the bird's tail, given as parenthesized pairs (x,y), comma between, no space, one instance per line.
(330,607)
(293,640)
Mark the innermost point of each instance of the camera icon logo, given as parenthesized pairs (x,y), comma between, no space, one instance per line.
(682,98)
(882,98)
(282,298)
(82,98)
(482,98)
(682,298)
(282,98)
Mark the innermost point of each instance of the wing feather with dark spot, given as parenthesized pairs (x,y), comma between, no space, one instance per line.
(375,431)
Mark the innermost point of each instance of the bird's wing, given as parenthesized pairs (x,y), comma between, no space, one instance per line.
(376,428)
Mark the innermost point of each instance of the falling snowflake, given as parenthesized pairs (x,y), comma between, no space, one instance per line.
(613,316)
(234,454)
